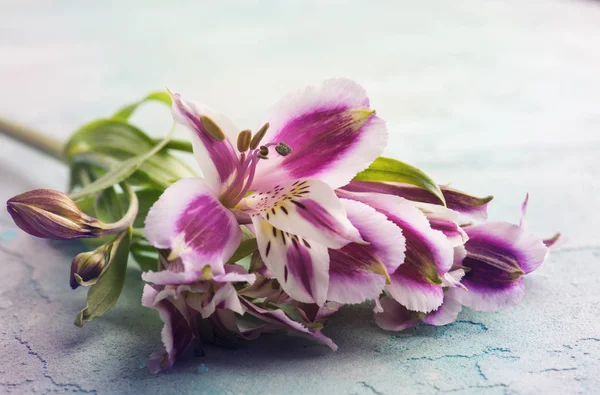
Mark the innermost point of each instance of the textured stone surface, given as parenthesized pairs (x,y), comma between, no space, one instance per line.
(498,97)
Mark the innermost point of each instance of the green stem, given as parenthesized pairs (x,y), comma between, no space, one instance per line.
(178,145)
(48,145)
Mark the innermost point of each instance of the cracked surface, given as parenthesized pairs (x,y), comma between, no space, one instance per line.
(498,97)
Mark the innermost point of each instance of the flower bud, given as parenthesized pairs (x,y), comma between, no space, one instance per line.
(87,266)
(51,214)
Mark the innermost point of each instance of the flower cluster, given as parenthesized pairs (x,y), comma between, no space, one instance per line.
(290,223)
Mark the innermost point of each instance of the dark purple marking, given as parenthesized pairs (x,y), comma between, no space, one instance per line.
(351,259)
(268,249)
(300,266)
(492,263)
(319,217)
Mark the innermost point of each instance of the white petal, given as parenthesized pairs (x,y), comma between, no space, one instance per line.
(300,265)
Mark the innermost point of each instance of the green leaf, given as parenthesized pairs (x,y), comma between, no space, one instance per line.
(161,97)
(109,142)
(246,248)
(146,198)
(103,295)
(108,136)
(145,255)
(392,170)
(118,174)
(180,145)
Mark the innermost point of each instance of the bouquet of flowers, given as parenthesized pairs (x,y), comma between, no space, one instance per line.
(285,226)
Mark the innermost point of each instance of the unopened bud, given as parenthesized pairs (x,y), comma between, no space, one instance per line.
(52,214)
(87,266)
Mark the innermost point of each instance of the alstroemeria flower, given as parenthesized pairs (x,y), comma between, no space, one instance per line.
(180,306)
(393,316)
(417,283)
(317,141)
(498,255)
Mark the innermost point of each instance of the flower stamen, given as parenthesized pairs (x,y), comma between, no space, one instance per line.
(259,136)
(212,128)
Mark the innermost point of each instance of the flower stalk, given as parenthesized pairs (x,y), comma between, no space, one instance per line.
(50,146)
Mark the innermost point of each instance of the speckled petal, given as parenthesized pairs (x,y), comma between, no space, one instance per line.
(307,208)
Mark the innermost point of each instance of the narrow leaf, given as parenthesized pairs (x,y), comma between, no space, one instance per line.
(127,111)
(118,174)
(392,170)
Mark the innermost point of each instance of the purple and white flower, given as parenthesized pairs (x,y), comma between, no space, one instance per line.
(314,141)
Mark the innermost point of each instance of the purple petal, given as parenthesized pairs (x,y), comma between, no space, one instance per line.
(280,320)
(446,313)
(176,333)
(307,208)
(300,265)
(554,241)
(189,220)
(498,255)
(487,299)
(359,272)
(217,159)
(417,284)
(395,317)
(501,241)
(472,209)
(446,221)
(331,130)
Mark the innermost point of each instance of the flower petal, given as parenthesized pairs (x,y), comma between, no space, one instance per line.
(217,159)
(395,317)
(280,320)
(471,208)
(498,255)
(359,272)
(301,266)
(331,130)
(446,313)
(507,241)
(176,333)
(225,297)
(190,221)
(417,284)
(489,299)
(307,208)
(446,221)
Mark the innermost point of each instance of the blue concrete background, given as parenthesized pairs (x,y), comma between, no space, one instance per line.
(497,97)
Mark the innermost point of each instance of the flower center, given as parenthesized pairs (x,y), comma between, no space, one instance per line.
(251,154)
